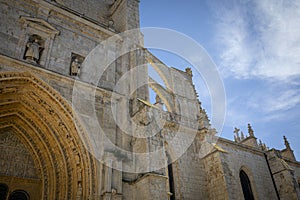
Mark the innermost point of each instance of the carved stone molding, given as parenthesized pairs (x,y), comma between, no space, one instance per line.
(52,129)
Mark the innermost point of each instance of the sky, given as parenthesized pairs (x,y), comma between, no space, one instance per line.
(255,45)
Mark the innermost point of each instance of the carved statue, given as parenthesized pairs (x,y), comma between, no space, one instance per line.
(158,99)
(189,71)
(75,67)
(79,174)
(113,191)
(33,50)
(77,158)
(250,130)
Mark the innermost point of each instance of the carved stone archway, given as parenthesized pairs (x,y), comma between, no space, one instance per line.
(46,125)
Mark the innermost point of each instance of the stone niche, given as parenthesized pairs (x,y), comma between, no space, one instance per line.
(36,42)
(75,64)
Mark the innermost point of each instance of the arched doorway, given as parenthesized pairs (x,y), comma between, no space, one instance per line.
(19,195)
(46,130)
(246,186)
(3,191)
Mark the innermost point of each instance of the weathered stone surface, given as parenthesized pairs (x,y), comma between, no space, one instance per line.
(72,138)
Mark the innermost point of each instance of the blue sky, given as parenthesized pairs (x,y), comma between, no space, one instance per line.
(256,47)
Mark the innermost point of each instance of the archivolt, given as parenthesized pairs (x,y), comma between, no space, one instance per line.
(47,125)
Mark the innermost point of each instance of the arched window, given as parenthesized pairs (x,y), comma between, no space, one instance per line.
(171,177)
(246,185)
(3,191)
(19,195)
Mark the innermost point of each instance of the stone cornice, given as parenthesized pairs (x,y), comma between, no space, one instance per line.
(45,74)
(241,146)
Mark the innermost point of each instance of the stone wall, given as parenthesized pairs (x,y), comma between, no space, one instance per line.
(285,175)
(75,32)
(72,34)
(189,175)
(96,10)
(253,162)
(215,177)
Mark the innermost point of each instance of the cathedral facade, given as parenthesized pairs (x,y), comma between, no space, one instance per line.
(76,120)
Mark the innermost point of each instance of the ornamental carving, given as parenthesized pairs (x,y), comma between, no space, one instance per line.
(15,159)
(38,113)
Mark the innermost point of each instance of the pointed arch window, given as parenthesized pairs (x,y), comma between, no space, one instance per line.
(246,186)
(171,178)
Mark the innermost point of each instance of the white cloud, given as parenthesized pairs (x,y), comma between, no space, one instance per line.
(275,102)
(287,100)
(260,38)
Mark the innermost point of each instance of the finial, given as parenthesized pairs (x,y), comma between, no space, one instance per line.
(260,143)
(265,148)
(286,142)
(262,146)
(242,135)
(250,131)
(188,70)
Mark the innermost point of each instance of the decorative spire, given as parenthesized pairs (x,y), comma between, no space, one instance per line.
(188,70)
(287,144)
(236,136)
(263,146)
(260,143)
(242,135)
(250,131)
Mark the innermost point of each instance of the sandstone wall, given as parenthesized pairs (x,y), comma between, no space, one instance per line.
(253,162)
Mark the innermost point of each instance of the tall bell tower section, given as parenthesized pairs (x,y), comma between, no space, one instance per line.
(125,14)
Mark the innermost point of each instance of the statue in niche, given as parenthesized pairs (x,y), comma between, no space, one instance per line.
(33,49)
(76,64)
(79,174)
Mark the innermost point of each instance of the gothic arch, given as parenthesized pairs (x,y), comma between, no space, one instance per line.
(19,195)
(246,177)
(45,123)
(3,191)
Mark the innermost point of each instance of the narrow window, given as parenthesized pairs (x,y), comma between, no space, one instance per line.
(171,178)
(3,191)
(248,194)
